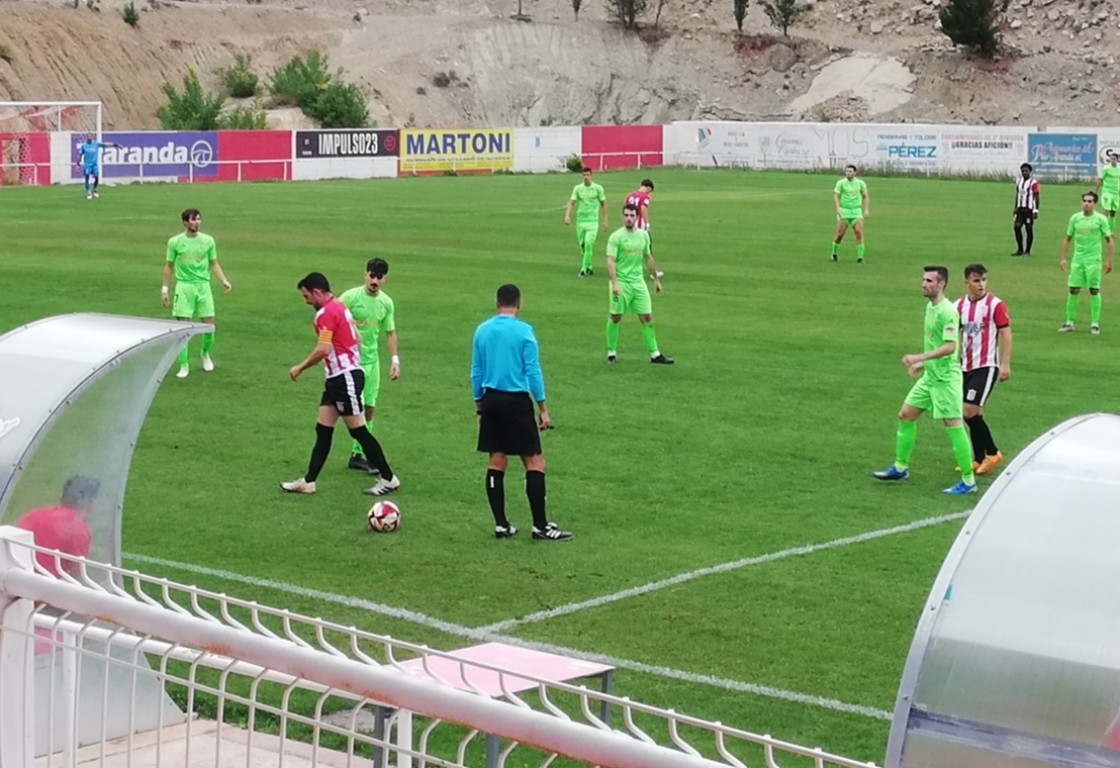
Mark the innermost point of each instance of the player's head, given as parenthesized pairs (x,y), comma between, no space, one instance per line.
(1112,156)
(316,289)
(586,175)
(192,219)
(934,278)
(1026,169)
(1089,201)
(508,297)
(850,171)
(89,137)
(79,493)
(377,271)
(647,185)
(630,215)
(976,281)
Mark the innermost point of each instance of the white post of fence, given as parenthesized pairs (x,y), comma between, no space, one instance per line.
(239,164)
(17,650)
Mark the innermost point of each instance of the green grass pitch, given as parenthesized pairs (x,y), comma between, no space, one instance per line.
(761,438)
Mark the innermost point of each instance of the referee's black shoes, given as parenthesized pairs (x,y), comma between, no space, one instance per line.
(551,532)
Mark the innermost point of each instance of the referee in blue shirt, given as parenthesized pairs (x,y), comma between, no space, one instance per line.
(506,378)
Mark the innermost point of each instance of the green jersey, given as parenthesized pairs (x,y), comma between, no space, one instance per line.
(588,199)
(373,315)
(1088,233)
(851,194)
(942,324)
(192,257)
(630,248)
(1110,179)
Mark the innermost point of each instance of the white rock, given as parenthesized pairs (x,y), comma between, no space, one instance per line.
(1015,23)
(876,27)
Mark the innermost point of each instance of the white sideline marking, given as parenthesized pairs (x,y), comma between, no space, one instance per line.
(479,634)
(734,565)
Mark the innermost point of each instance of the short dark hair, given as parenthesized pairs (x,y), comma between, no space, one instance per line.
(849,165)
(190,213)
(942,272)
(79,491)
(647,183)
(508,295)
(585,169)
(315,281)
(975,269)
(1026,167)
(630,207)
(377,267)
(1091,194)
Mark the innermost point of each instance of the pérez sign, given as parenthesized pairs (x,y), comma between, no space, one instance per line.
(347,143)
(906,149)
(193,153)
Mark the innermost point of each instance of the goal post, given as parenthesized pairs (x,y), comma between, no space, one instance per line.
(34,132)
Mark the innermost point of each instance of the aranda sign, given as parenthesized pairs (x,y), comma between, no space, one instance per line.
(190,153)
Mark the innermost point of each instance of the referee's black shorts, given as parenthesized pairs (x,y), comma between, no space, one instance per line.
(979,383)
(507,424)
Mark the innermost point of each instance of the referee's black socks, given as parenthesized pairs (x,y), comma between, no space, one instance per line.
(496,495)
(534,489)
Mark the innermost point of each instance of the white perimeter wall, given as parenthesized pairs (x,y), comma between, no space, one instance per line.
(541,150)
(304,169)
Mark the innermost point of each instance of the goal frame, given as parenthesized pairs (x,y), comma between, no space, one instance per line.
(27,173)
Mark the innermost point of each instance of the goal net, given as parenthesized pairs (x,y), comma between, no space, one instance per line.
(31,133)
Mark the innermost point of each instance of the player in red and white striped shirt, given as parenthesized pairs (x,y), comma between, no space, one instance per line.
(640,199)
(985,358)
(338,347)
(1028,198)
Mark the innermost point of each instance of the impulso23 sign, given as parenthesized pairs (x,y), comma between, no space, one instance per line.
(457,150)
(347,143)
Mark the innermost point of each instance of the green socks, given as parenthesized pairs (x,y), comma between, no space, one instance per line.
(207,342)
(1071,308)
(184,355)
(835,249)
(860,249)
(1095,308)
(962,452)
(904,443)
(650,338)
(612,336)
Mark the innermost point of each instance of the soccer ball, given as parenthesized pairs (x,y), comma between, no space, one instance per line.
(384,516)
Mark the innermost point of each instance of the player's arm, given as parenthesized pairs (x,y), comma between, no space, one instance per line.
(321,350)
(531,358)
(652,267)
(1100,181)
(643,215)
(836,202)
(1062,263)
(866,201)
(1004,341)
(917,361)
(603,212)
(1037,199)
(216,268)
(394,357)
(1110,244)
(568,210)
(476,373)
(612,272)
(164,291)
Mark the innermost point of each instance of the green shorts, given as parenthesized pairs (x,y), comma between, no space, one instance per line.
(944,400)
(1084,274)
(850,215)
(373,383)
(192,299)
(633,300)
(1109,201)
(587,234)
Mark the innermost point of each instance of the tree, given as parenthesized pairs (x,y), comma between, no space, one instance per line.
(783,13)
(974,23)
(657,16)
(576,4)
(740,13)
(192,109)
(628,11)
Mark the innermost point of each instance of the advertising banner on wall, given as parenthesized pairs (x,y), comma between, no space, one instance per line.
(902,147)
(474,149)
(348,143)
(989,149)
(155,154)
(1068,154)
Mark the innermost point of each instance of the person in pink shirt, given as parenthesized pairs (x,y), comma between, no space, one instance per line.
(64,527)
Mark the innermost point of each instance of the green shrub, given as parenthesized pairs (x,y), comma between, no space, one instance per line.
(299,82)
(574,163)
(974,23)
(191,109)
(239,79)
(130,15)
(341,105)
(6,52)
(244,118)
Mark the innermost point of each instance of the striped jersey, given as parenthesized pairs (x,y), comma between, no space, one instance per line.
(641,201)
(334,325)
(1026,193)
(981,321)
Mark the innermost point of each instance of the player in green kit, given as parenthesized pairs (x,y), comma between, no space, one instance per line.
(853,205)
(374,314)
(590,201)
(627,249)
(1088,230)
(1108,187)
(191,257)
(940,389)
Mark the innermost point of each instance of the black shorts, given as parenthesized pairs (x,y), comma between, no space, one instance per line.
(979,383)
(507,424)
(344,392)
(1023,216)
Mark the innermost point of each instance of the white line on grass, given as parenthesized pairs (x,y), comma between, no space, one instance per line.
(478,634)
(681,578)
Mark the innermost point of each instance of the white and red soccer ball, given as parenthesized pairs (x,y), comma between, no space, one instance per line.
(384,517)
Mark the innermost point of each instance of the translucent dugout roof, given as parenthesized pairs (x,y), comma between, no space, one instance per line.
(74,391)
(1016,659)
